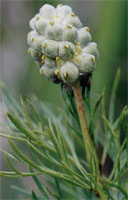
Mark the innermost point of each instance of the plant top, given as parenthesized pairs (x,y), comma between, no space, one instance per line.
(60,45)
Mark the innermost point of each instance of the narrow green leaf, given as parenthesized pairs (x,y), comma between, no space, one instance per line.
(26,113)
(61,145)
(116,186)
(35,156)
(125,124)
(8,154)
(20,190)
(44,156)
(77,139)
(53,194)
(104,113)
(69,101)
(13,137)
(21,155)
(50,148)
(111,112)
(94,111)
(41,132)
(53,138)
(38,119)
(119,121)
(41,169)
(75,175)
(10,165)
(58,188)
(10,99)
(115,137)
(15,175)
(24,192)
(117,160)
(20,126)
(34,197)
(39,185)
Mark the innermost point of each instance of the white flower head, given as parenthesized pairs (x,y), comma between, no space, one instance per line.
(60,45)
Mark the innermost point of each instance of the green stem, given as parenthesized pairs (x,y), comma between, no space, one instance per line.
(89,147)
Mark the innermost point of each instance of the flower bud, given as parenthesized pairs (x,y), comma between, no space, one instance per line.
(37,42)
(66,50)
(70,34)
(34,53)
(73,20)
(69,72)
(48,72)
(30,37)
(54,31)
(47,11)
(50,62)
(91,48)
(50,48)
(32,23)
(63,11)
(40,25)
(87,63)
(84,36)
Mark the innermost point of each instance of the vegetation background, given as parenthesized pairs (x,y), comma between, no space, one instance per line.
(107,22)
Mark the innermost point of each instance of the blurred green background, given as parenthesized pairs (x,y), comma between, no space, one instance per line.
(107,22)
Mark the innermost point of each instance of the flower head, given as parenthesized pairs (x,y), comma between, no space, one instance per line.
(60,45)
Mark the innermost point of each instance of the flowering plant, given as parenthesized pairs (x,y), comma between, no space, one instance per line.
(65,146)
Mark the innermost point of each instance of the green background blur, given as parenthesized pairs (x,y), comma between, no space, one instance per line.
(107,22)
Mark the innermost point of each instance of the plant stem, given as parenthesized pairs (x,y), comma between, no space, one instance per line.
(89,147)
(83,121)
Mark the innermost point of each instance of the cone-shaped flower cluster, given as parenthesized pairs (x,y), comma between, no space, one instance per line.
(60,45)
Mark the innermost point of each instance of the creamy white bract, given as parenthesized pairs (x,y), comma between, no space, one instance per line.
(59,44)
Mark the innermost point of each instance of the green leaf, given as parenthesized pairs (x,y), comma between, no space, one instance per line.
(39,185)
(115,186)
(11,101)
(26,113)
(34,197)
(119,121)
(35,156)
(8,154)
(61,146)
(91,128)
(24,192)
(54,139)
(36,115)
(78,139)
(43,170)
(114,135)
(111,112)
(26,141)
(111,137)
(11,166)
(53,194)
(76,176)
(21,126)
(58,188)
(68,97)
(15,175)
(20,190)
(53,161)
(117,160)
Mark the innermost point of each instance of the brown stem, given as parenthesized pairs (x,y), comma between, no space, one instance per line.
(89,147)
(82,118)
